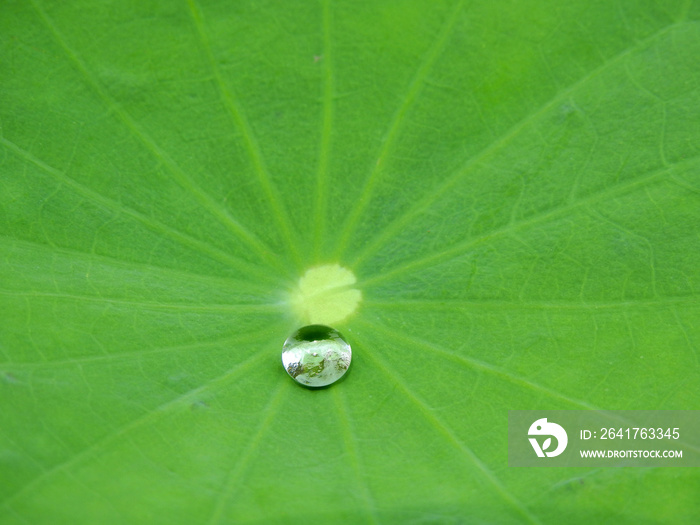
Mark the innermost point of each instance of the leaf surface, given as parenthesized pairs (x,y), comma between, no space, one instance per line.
(515,185)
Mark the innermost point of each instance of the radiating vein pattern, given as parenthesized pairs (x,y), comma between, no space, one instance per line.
(413,91)
(186,181)
(251,143)
(516,191)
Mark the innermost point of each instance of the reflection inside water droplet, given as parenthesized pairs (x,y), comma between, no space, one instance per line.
(316,355)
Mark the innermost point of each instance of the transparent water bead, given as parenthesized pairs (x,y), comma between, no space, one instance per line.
(316,355)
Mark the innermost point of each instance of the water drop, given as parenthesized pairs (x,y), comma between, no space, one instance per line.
(316,355)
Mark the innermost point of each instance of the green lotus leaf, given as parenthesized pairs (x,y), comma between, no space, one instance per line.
(505,197)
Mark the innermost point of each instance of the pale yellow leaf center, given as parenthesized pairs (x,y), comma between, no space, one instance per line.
(325,295)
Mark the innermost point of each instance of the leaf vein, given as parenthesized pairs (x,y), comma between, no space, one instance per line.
(449,434)
(551,213)
(473,163)
(118,208)
(236,114)
(234,474)
(320,210)
(414,89)
(184,180)
(94,449)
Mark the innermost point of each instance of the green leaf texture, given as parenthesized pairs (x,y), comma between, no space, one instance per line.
(515,184)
